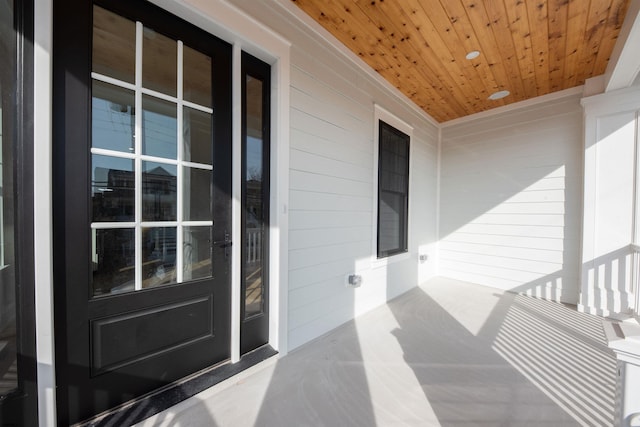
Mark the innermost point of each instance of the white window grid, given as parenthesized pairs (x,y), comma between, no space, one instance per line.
(138,224)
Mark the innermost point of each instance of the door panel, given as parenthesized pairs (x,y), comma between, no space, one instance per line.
(142,196)
(131,337)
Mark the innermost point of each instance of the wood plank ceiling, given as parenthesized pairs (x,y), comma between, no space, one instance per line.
(528,47)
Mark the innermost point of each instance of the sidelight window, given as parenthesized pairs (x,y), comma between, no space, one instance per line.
(151,158)
(8,342)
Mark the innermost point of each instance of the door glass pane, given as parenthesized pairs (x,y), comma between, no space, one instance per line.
(197,77)
(160,128)
(158,256)
(159,196)
(254,200)
(197,252)
(137,183)
(114,45)
(198,127)
(8,367)
(159,62)
(197,194)
(113,120)
(112,189)
(113,260)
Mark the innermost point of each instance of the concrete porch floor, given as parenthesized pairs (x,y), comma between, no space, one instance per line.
(447,353)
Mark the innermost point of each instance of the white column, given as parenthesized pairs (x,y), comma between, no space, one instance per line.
(624,340)
(610,203)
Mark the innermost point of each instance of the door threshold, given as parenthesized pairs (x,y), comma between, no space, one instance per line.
(143,407)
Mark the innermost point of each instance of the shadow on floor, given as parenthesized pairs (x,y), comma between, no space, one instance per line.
(446,354)
(505,359)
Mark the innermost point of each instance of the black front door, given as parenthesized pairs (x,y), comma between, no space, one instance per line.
(142,190)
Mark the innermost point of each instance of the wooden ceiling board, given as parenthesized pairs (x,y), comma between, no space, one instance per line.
(410,63)
(518,23)
(356,31)
(506,51)
(538,15)
(464,32)
(576,29)
(409,40)
(528,47)
(598,15)
(611,31)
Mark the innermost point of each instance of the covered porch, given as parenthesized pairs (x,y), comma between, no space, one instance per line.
(447,353)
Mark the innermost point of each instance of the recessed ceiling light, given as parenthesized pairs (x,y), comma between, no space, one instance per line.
(473,54)
(499,95)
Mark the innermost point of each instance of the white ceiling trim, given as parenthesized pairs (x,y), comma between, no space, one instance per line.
(624,65)
(515,106)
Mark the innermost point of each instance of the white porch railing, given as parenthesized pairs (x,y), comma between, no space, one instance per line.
(254,245)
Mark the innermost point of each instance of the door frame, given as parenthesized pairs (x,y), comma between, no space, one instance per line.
(21,405)
(245,34)
(79,315)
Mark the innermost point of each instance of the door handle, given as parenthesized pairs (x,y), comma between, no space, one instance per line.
(224,244)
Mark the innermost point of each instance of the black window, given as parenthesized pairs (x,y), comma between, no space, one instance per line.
(393,190)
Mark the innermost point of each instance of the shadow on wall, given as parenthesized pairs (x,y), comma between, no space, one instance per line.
(610,282)
(611,278)
(511,206)
(510,360)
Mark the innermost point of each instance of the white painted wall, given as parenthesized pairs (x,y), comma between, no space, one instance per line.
(610,202)
(332,170)
(332,195)
(510,199)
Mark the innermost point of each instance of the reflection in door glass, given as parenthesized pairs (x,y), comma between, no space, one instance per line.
(159,197)
(158,256)
(196,188)
(151,177)
(8,365)
(197,77)
(159,128)
(159,62)
(198,129)
(254,232)
(113,119)
(113,260)
(114,45)
(197,252)
(112,188)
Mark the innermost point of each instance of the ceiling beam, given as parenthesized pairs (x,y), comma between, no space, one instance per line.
(624,64)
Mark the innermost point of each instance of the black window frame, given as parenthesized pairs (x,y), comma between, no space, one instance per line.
(402,141)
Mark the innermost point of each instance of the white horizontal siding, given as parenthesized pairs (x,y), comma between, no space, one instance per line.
(510,200)
(322,183)
(318,220)
(308,238)
(331,210)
